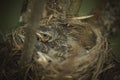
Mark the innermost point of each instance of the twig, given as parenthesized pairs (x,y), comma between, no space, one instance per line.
(28,47)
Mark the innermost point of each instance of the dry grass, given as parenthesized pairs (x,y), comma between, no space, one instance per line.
(89,66)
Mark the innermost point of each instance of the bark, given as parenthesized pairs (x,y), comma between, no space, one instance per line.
(36,16)
(73,7)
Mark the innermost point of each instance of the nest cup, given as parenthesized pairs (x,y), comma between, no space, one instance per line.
(87,67)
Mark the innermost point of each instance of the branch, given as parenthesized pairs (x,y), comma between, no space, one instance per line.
(28,48)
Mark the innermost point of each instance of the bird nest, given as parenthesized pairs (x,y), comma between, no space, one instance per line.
(65,50)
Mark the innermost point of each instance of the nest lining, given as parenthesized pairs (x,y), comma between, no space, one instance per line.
(74,67)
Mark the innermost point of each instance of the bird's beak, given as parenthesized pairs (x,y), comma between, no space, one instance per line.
(44,59)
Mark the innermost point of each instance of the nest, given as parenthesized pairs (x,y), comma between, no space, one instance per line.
(85,62)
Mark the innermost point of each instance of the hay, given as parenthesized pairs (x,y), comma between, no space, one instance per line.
(86,67)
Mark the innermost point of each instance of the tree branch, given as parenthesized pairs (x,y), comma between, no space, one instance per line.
(28,48)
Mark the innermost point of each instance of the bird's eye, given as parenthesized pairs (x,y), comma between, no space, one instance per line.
(45,35)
